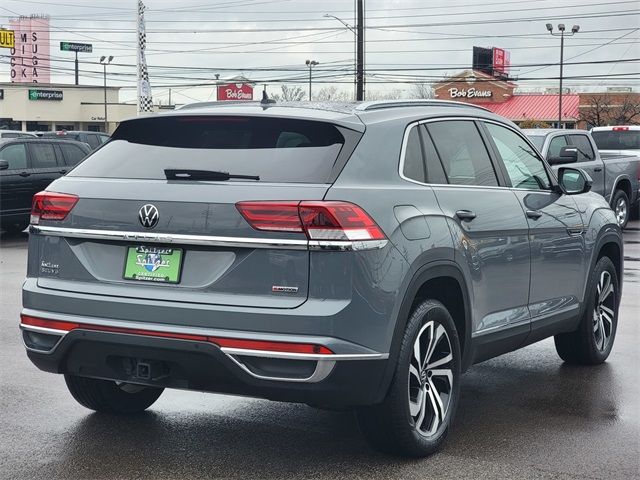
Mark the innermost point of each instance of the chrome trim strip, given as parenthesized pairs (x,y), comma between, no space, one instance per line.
(207,240)
(169,238)
(50,331)
(322,371)
(305,356)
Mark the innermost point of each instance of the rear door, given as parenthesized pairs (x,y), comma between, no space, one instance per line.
(137,233)
(488,227)
(588,161)
(15,182)
(71,153)
(47,166)
(555,228)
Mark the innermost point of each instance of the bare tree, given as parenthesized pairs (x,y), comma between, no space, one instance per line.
(394,94)
(597,112)
(602,110)
(333,94)
(421,90)
(293,93)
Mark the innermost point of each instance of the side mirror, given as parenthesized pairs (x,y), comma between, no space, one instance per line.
(574,180)
(4,164)
(568,154)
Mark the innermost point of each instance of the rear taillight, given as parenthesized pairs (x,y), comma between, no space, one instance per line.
(319,220)
(620,129)
(51,206)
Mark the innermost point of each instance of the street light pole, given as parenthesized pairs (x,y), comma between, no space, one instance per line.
(105,61)
(575,29)
(310,64)
(355,50)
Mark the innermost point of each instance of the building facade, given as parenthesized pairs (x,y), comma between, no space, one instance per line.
(579,110)
(40,107)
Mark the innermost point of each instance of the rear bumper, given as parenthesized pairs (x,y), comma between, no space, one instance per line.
(352,377)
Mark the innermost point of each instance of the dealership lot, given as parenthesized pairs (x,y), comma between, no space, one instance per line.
(522,415)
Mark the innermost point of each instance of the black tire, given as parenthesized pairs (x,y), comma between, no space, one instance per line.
(390,426)
(584,346)
(106,396)
(620,206)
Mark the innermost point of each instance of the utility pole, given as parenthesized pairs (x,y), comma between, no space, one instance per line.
(360,50)
(310,64)
(105,61)
(575,29)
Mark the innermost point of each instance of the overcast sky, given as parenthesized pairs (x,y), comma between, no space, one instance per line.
(268,41)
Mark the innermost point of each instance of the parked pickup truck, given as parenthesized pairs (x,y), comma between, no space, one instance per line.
(615,177)
(617,140)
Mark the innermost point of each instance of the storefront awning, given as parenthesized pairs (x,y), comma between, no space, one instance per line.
(536,107)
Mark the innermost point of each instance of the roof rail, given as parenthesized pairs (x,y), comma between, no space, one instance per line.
(382,104)
(226,103)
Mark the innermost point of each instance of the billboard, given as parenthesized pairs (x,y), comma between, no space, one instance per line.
(501,61)
(31,53)
(235,91)
(493,61)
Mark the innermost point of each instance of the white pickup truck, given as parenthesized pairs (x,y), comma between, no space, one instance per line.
(615,176)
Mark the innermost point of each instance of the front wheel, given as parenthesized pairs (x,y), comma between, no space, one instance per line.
(414,418)
(109,396)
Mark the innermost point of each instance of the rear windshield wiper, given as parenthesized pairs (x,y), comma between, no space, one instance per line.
(211,175)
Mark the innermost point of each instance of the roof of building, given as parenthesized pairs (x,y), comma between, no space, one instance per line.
(536,107)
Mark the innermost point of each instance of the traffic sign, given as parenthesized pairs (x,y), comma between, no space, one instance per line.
(7,39)
(76,47)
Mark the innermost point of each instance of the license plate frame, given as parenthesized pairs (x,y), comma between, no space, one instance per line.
(147,264)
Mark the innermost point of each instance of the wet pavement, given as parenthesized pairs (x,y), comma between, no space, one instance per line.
(522,415)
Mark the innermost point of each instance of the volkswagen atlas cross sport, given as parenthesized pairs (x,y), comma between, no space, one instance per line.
(345,256)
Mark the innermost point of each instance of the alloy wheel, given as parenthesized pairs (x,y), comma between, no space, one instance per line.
(430,378)
(604,311)
(621,211)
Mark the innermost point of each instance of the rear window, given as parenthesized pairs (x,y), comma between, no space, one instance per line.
(617,139)
(275,149)
(537,140)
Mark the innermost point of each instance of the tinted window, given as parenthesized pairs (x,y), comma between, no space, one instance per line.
(555,145)
(103,138)
(585,151)
(72,153)
(524,168)
(276,149)
(435,172)
(413,161)
(617,139)
(16,155)
(43,155)
(463,153)
(93,140)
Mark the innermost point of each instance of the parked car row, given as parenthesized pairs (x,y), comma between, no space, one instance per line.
(615,172)
(27,166)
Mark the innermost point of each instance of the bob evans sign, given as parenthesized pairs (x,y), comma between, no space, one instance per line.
(469,93)
(235,91)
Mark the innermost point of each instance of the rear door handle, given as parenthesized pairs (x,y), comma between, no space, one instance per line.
(597,169)
(24,174)
(534,214)
(465,215)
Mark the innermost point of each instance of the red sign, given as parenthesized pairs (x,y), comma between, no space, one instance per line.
(501,61)
(235,91)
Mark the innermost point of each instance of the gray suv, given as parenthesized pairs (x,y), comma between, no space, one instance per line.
(345,256)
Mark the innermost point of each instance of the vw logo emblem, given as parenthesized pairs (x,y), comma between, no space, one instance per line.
(148,215)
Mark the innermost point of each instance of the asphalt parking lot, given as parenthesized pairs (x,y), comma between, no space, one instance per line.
(522,415)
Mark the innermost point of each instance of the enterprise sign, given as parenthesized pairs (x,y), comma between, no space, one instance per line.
(45,94)
(76,47)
